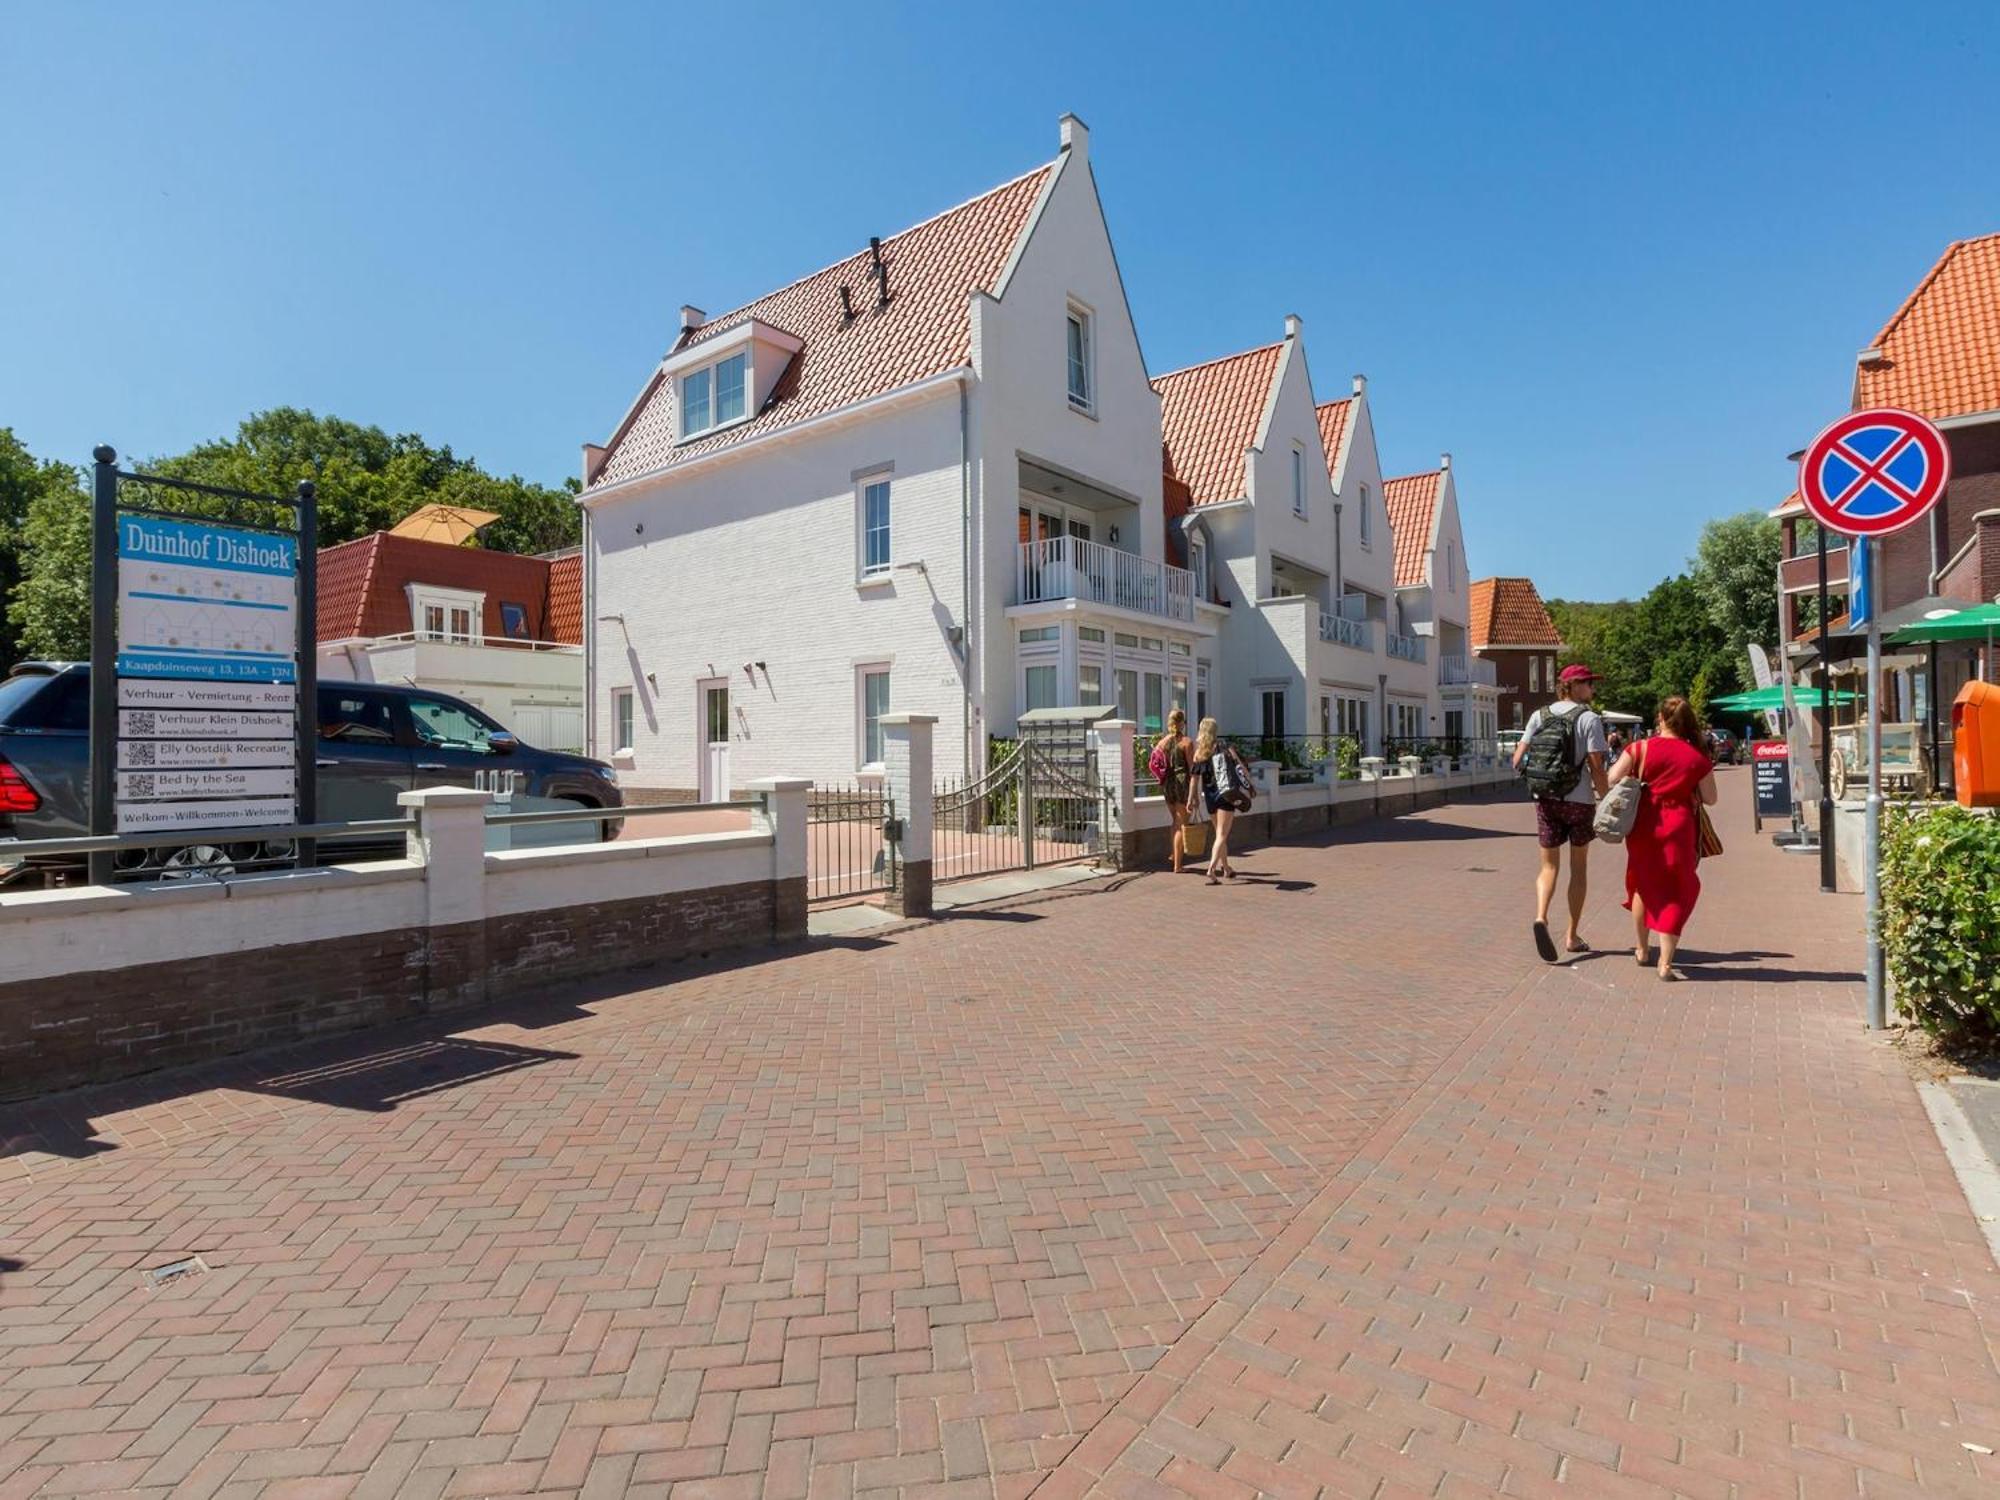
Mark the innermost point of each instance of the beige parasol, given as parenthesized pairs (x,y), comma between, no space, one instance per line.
(451,524)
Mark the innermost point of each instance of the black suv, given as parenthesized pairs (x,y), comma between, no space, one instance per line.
(374,742)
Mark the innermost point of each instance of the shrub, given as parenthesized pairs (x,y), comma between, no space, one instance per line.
(1941,919)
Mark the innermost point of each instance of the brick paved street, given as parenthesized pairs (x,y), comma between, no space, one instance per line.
(1315,1183)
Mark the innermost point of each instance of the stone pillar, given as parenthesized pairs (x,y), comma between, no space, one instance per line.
(449,841)
(780,811)
(906,760)
(1112,740)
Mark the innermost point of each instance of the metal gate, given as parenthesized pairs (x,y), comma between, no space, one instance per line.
(1041,802)
(851,835)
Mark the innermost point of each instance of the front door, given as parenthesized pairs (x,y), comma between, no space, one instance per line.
(712,751)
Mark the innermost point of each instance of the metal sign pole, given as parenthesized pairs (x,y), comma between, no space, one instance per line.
(1878,1003)
(101,864)
(305,781)
(1826,849)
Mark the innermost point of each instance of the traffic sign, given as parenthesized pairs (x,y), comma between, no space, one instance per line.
(1874,472)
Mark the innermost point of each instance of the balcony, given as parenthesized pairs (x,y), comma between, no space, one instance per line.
(1067,567)
(1800,575)
(1464,671)
(1406,647)
(1343,631)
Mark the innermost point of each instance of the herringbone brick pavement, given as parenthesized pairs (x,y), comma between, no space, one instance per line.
(1302,1182)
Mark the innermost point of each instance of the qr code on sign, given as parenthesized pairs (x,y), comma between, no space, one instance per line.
(142,723)
(142,754)
(139,786)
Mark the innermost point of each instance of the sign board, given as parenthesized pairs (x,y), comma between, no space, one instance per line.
(1771,774)
(207,662)
(202,817)
(208,603)
(1874,472)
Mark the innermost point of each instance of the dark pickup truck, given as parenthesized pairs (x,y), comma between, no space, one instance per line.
(374,742)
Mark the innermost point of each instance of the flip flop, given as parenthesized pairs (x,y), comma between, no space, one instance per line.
(1544,944)
(1579,946)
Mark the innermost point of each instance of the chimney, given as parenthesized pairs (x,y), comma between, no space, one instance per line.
(1293,326)
(881,271)
(1444,461)
(1075,137)
(593,460)
(1360,385)
(691,318)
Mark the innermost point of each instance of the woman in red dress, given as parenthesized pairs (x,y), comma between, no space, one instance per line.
(1661,886)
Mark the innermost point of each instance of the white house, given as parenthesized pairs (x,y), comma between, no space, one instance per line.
(1433,594)
(925,478)
(1285,516)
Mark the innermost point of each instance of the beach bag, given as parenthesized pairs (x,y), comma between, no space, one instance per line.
(1550,766)
(1620,808)
(1708,843)
(1194,839)
(1232,781)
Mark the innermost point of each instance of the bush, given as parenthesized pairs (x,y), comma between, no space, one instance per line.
(1941,919)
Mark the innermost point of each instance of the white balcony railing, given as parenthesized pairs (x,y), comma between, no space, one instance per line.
(1406,647)
(1067,567)
(1456,671)
(1345,632)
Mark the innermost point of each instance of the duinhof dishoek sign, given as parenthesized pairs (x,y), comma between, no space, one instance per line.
(208,641)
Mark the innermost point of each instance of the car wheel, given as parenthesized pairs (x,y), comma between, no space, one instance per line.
(197,861)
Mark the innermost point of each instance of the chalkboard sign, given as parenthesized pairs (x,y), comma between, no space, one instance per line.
(1771,770)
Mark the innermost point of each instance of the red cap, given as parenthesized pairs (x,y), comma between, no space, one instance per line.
(1577,672)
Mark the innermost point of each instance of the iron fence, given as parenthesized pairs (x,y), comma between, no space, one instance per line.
(851,845)
(976,820)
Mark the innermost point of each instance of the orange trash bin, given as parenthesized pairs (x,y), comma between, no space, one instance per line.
(1975,744)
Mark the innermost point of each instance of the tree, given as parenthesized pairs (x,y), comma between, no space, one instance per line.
(1650,649)
(1735,569)
(368,480)
(38,497)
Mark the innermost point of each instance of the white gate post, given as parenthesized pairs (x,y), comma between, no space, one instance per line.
(906,760)
(782,810)
(1112,740)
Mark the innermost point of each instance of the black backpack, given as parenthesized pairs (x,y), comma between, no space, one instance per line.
(1551,767)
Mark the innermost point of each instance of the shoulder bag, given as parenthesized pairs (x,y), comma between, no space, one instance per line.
(1708,843)
(1620,808)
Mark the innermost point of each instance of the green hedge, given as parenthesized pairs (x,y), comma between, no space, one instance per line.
(1941,919)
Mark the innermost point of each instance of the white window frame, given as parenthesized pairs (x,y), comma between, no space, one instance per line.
(622,704)
(425,596)
(708,372)
(862,672)
(1085,319)
(1367,526)
(863,571)
(1197,541)
(1299,482)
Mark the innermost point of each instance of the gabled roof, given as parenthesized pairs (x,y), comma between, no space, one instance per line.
(1509,612)
(1333,430)
(924,330)
(1210,414)
(1940,352)
(364,587)
(1411,503)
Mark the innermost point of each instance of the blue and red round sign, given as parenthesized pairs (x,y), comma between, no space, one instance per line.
(1874,472)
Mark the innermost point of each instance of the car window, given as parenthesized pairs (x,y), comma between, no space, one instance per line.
(355,718)
(38,700)
(443,725)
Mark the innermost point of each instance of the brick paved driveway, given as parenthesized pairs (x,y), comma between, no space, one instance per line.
(1317,1183)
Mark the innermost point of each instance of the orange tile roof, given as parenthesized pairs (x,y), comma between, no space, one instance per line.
(923,331)
(1942,347)
(1509,612)
(364,586)
(565,611)
(1411,502)
(1791,505)
(1210,414)
(1333,428)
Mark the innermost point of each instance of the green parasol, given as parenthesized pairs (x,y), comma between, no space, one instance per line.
(1767,699)
(1976,622)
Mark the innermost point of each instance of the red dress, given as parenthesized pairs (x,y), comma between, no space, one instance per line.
(1660,849)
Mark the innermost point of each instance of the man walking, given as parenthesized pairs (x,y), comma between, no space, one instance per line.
(1563,756)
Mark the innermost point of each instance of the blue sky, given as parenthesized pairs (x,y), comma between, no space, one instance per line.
(1616,258)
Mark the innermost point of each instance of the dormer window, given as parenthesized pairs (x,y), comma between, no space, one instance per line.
(1080,382)
(712,397)
(1198,563)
